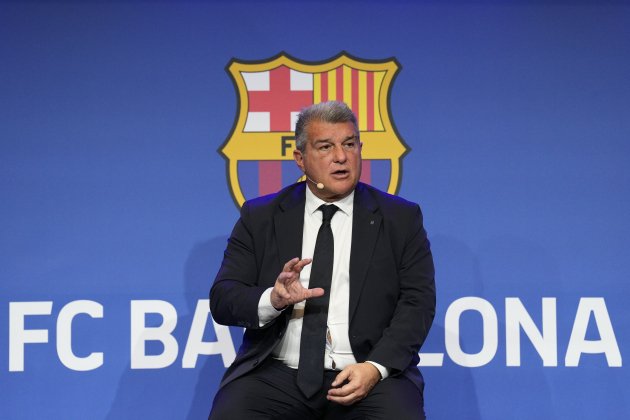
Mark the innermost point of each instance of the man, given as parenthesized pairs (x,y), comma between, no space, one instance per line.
(337,299)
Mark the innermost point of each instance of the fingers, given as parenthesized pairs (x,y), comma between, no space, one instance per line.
(296,265)
(343,391)
(346,395)
(313,293)
(288,290)
(341,377)
(296,293)
(359,378)
(282,292)
(288,266)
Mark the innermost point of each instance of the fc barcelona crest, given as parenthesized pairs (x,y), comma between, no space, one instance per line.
(271,93)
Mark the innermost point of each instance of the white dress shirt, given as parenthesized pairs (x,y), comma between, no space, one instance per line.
(338,352)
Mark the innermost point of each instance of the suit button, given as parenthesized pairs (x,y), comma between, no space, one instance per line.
(255,363)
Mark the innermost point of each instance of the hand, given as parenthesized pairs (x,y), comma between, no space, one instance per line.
(359,380)
(288,290)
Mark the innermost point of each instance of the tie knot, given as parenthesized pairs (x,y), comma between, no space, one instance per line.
(328,210)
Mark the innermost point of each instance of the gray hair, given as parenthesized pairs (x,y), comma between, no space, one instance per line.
(330,112)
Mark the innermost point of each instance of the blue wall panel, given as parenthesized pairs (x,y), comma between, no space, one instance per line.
(112,190)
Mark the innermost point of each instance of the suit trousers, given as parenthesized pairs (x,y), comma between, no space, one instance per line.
(270,392)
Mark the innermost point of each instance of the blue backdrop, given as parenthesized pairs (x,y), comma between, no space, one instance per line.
(115,207)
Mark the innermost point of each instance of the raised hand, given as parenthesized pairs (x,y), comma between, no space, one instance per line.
(288,290)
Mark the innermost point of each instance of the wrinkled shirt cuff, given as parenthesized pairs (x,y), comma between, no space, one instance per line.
(266,311)
(384,371)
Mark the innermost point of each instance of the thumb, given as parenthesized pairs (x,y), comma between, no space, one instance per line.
(341,378)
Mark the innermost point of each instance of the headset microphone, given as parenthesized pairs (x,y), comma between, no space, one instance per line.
(319,185)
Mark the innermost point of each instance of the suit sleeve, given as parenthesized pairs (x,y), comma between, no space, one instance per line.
(415,308)
(235,293)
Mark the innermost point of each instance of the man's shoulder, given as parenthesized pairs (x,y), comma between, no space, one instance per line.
(292,193)
(385,200)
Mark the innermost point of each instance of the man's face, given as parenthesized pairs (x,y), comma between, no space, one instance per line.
(332,156)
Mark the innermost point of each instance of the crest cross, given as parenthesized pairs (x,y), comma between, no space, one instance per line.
(280,101)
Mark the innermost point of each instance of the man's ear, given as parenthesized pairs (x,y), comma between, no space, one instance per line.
(299,159)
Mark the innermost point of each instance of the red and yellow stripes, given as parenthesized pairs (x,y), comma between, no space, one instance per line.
(359,89)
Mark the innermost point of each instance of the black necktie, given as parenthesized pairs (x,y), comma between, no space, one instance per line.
(310,374)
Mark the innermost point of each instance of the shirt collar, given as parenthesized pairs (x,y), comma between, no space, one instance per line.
(313,202)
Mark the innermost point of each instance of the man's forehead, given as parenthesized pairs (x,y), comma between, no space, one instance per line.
(322,130)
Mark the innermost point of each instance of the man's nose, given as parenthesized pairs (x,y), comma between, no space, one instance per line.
(339,154)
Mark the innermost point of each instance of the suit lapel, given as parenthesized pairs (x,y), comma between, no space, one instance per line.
(289,224)
(365,227)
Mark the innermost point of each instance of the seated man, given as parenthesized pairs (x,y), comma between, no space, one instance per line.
(334,281)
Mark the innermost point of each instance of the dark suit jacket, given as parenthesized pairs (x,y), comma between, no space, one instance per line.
(392,289)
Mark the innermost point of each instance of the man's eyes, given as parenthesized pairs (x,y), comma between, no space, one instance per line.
(349,145)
